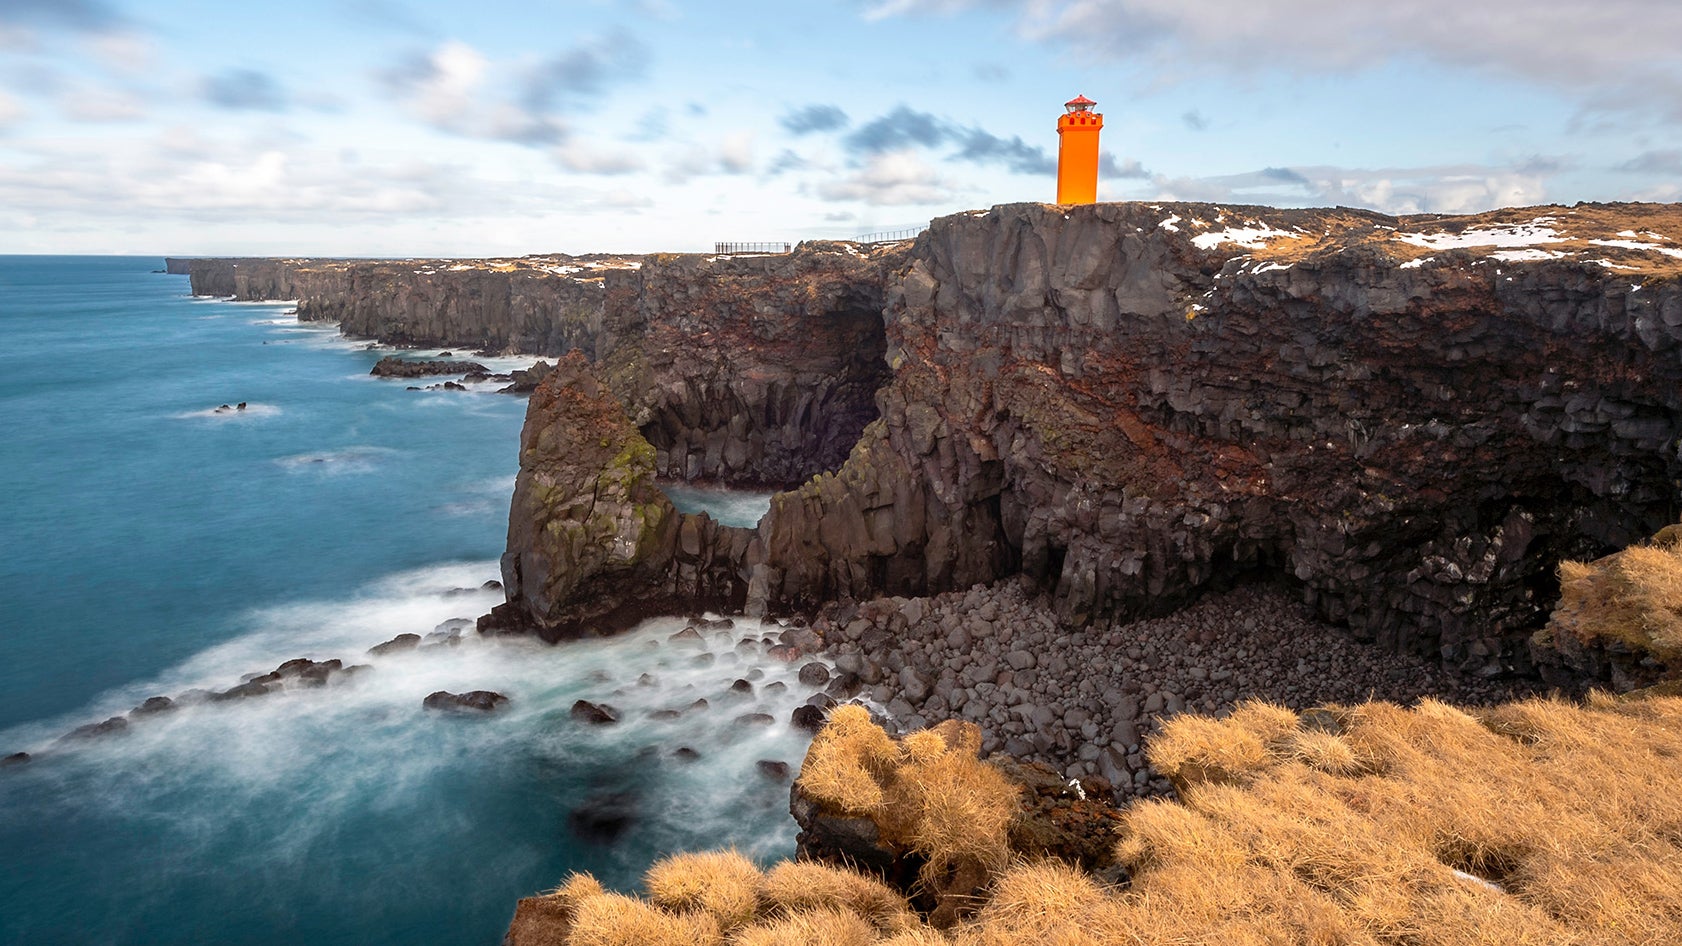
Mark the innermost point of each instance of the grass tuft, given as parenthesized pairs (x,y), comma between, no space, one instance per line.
(820,927)
(799,886)
(612,919)
(722,883)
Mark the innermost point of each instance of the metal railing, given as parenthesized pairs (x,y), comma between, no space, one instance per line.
(893,236)
(753,247)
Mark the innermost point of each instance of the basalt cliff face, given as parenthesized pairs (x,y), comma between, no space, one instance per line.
(750,370)
(536,305)
(1412,419)
(593,542)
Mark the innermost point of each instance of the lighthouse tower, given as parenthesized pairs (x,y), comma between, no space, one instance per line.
(1077,151)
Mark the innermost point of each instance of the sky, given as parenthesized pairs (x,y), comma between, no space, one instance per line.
(387,128)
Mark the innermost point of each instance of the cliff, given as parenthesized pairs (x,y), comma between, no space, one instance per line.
(537,305)
(1413,419)
(594,544)
(750,370)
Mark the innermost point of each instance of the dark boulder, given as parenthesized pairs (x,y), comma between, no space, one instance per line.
(814,674)
(808,717)
(755,719)
(152,705)
(473,701)
(596,714)
(685,754)
(526,380)
(110,727)
(397,644)
(244,691)
(772,769)
(392,366)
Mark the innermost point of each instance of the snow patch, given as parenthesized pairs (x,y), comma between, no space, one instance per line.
(1169,223)
(1270,266)
(1528,234)
(1251,237)
(1525,256)
(1632,245)
(1416,263)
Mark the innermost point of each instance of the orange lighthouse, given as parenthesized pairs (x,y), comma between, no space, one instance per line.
(1077,151)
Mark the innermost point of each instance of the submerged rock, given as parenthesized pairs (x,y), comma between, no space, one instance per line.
(603,817)
(116,725)
(16,758)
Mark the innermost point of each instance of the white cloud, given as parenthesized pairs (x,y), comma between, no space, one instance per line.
(11,111)
(1613,53)
(735,155)
(100,104)
(1443,189)
(586,158)
(889,179)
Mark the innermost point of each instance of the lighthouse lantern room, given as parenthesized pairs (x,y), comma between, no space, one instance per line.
(1077,151)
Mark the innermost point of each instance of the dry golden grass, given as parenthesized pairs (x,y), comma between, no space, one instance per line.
(1357,836)
(796,886)
(821,927)
(1633,596)
(929,792)
(612,919)
(1540,822)
(722,883)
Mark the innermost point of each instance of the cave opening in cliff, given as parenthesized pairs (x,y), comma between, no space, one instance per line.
(796,412)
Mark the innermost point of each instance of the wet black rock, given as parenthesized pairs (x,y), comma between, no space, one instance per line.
(772,769)
(392,366)
(110,727)
(685,754)
(808,717)
(473,701)
(755,719)
(397,644)
(16,758)
(596,714)
(244,691)
(153,705)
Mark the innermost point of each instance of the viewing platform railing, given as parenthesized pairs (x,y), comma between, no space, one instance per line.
(753,247)
(893,236)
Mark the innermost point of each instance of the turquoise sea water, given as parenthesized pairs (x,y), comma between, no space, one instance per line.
(153,546)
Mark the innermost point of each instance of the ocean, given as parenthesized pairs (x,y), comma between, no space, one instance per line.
(156,545)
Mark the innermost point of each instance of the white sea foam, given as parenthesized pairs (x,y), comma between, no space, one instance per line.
(296,767)
(233,412)
(731,507)
(334,462)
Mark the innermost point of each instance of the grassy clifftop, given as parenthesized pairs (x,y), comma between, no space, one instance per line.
(1534,822)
